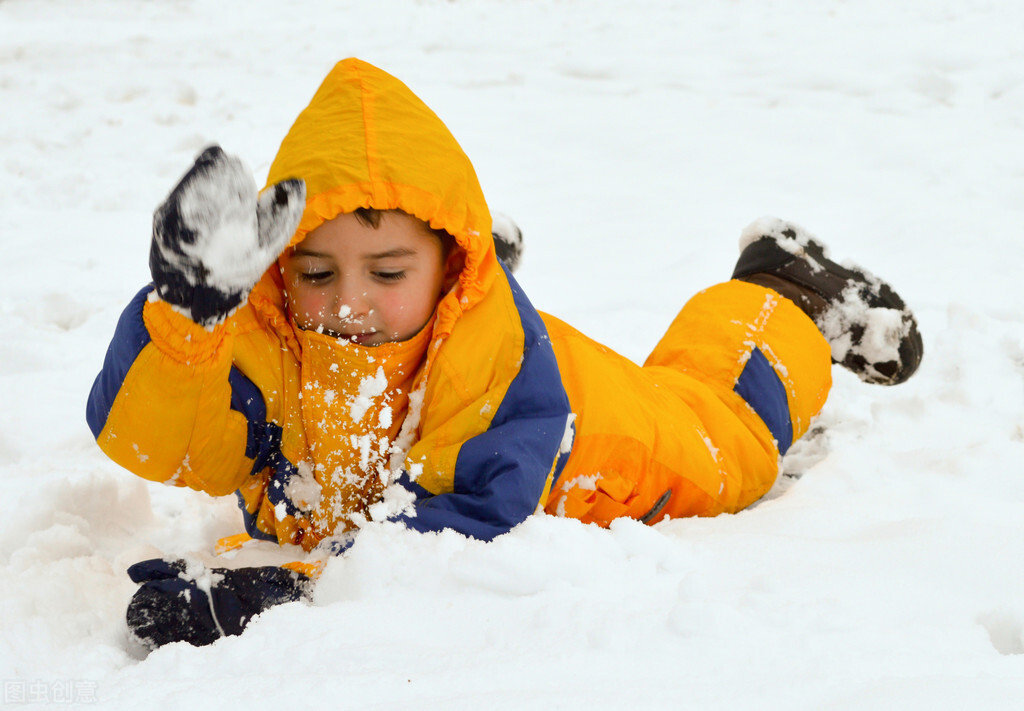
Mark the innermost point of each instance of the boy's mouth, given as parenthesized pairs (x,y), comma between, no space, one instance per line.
(362,338)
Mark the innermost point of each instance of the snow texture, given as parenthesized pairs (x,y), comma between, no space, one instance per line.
(631,141)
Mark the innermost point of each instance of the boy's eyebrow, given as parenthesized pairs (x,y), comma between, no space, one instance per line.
(397,252)
(304,252)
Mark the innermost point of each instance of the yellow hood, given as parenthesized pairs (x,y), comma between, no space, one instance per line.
(366,140)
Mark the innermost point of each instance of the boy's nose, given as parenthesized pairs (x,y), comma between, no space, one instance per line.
(350,304)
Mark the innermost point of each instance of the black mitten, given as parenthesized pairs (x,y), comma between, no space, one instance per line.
(181,601)
(214,236)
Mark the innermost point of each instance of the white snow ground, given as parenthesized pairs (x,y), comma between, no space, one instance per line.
(632,141)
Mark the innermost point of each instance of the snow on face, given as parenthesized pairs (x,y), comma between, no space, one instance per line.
(370,285)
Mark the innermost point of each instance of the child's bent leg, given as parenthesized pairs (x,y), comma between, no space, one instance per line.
(738,377)
(763,344)
(755,370)
(749,342)
(698,430)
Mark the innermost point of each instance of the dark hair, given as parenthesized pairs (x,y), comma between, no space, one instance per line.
(372,217)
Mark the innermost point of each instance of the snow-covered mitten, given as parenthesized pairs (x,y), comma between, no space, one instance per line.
(184,601)
(214,236)
(508,240)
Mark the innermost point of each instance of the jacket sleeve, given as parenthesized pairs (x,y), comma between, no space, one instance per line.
(162,404)
(484,484)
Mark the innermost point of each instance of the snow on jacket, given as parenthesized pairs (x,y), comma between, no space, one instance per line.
(492,411)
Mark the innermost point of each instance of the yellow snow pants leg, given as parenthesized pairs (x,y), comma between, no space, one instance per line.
(699,429)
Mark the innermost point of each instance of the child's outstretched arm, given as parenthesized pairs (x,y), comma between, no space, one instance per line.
(162,403)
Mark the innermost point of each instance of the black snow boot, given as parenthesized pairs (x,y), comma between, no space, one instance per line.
(871,331)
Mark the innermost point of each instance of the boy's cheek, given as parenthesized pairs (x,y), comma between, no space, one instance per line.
(308,309)
(408,311)
(396,305)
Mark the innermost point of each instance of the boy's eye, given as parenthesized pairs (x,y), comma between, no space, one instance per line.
(397,275)
(314,276)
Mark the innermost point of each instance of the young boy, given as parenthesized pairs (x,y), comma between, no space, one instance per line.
(346,347)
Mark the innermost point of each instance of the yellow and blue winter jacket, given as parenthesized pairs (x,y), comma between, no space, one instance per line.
(492,412)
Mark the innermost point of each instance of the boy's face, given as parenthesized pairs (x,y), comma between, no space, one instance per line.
(369,285)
